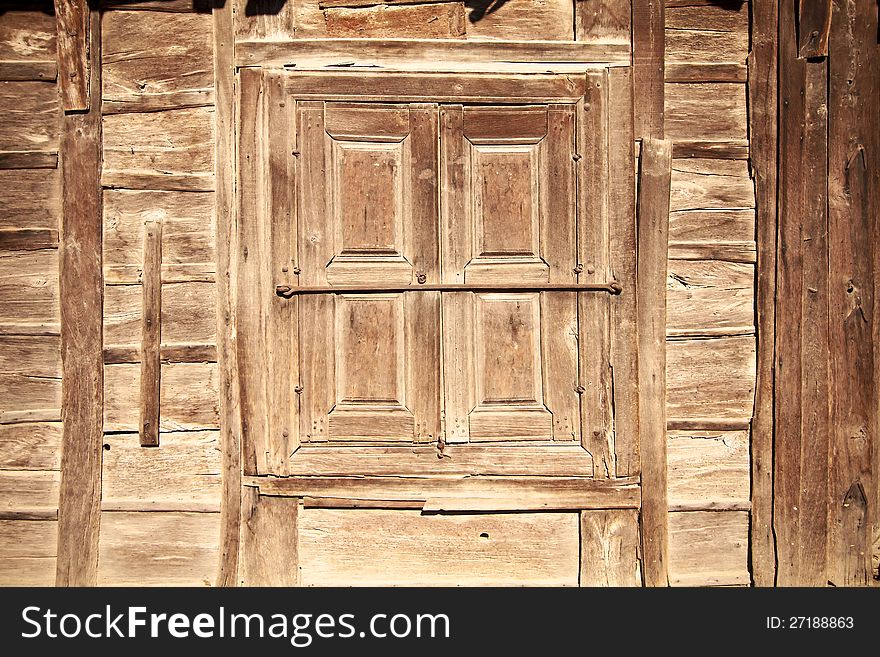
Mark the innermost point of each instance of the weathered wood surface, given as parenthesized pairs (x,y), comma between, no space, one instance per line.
(709,548)
(708,469)
(224,171)
(30,446)
(81,345)
(181,473)
(444,20)
(167,150)
(181,6)
(607,21)
(27,37)
(344,548)
(764,130)
(151,335)
(27,552)
(29,491)
(723,291)
(30,123)
(814,27)
(610,548)
(707,184)
(705,110)
(75,62)
(158,548)
(156,61)
(270,540)
(188,399)
(853,205)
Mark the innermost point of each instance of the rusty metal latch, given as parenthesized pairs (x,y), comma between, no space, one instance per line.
(287,291)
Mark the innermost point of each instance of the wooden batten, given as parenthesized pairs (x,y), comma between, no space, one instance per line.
(653,235)
(151,338)
(648,46)
(81,295)
(74,60)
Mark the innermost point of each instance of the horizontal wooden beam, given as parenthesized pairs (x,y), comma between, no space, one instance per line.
(26,71)
(28,160)
(164,182)
(28,239)
(735,149)
(745,252)
(705,72)
(287,291)
(176,353)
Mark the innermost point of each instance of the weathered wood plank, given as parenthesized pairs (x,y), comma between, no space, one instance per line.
(224,199)
(30,200)
(158,549)
(184,470)
(269,543)
(712,225)
(702,45)
(814,27)
(547,20)
(708,548)
(653,233)
(183,6)
(151,337)
(722,291)
(704,72)
(711,378)
(25,539)
(445,20)
(28,239)
(181,353)
(156,61)
(763,127)
(28,160)
(607,21)
(610,548)
(38,356)
(853,204)
(648,46)
(728,149)
(27,35)
(20,71)
(743,252)
(30,122)
(429,53)
(74,60)
(29,490)
(345,548)
(707,184)
(30,446)
(708,469)
(706,110)
(81,301)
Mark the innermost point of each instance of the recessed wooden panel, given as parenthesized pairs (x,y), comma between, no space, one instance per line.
(504,195)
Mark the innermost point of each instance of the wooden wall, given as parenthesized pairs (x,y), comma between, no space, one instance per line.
(30,352)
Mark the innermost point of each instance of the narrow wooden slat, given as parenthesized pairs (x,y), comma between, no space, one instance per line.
(706,423)
(168,353)
(151,369)
(724,251)
(224,200)
(28,160)
(172,182)
(622,241)
(73,26)
(853,205)
(705,72)
(763,128)
(291,292)
(610,548)
(28,239)
(648,45)
(653,212)
(269,549)
(729,149)
(435,53)
(28,70)
(81,341)
(175,6)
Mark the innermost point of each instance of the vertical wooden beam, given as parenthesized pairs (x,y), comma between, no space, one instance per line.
(763,107)
(814,26)
(649,44)
(653,212)
(151,328)
(610,548)
(72,20)
(269,550)
(224,199)
(853,163)
(82,365)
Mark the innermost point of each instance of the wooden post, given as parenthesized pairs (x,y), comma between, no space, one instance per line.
(81,294)
(763,128)
(653,235)
(74,42)
(269,550)
(648,44)
(224,199)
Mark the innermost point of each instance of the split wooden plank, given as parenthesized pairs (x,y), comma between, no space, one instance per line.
(623,261)
(74,58)
(151,370)
(700,44)
(723,291)
(711,225)
(705,110)
(709,548)
(30,200)
(145,70)
(441,52)
(814,27)
(224,199)
(369,547)
(727,149)
(269,543)
(545,20)
(135,548)
(853,204)
(653,234)
(711,184)
(763,127)
(29,491)
(648,46)
(610,548)
(704,72)
(708,469)
(81,301)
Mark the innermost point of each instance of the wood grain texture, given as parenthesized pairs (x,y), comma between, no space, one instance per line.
(853,204)
(158,548)
(30,124)
(224,153)
(723,291)
(711,184)
(30,446)
(25,70)
(648,46)
(365,547)
(151,335)
(603,20)
(546,20)
(75,60)
(27,553)
(610,548)
(708,548)
(27,35)
(705,110)
(270,540)
(763,95)
(814,27)
(653,235)
(444,20)
(81,345)
(156,61)
(708,469)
